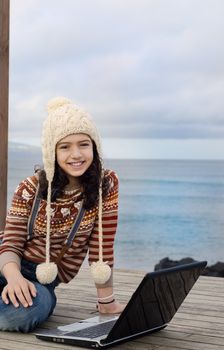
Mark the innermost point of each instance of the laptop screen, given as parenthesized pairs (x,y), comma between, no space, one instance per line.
(156,300)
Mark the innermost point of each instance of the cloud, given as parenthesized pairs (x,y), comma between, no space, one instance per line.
(142,68)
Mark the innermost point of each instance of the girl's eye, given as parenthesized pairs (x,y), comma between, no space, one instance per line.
(63,147)
(85,144)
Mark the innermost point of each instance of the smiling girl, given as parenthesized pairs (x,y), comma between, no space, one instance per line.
(56,217)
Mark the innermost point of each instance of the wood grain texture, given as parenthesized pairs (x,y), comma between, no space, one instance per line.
(198,324)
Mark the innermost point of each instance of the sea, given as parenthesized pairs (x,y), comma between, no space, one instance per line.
(167,208)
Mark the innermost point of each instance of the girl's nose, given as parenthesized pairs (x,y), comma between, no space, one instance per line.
(75,152)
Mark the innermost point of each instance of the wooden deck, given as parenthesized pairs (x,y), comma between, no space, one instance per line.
(198,324)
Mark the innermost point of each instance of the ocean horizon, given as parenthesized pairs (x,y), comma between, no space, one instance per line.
(167,208)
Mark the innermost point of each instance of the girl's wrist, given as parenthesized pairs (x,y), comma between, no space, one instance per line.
(105,307)
(112,308)
(106,300)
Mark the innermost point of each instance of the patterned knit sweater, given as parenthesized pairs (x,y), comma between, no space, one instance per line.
(15,244)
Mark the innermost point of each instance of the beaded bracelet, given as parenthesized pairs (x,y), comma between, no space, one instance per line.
(105,298)
(106,302)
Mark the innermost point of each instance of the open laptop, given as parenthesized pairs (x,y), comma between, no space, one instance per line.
(150,309)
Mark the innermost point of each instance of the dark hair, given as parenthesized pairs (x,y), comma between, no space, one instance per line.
(90,182)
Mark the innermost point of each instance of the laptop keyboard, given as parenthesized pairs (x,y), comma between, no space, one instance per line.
(93,331)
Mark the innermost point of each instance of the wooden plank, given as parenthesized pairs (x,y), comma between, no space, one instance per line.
(4,87)
(183,344)
(196,331)
(202,311)
(190,336)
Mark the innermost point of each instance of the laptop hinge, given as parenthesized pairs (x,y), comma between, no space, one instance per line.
(104,342)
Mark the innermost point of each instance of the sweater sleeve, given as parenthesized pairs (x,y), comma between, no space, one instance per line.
(109,223)
(14,237)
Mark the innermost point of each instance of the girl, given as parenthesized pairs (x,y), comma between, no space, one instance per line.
(56,216)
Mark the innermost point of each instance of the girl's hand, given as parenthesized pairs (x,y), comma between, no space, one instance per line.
(112,308)
(19,290)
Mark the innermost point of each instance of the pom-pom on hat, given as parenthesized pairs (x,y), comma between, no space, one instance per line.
(65,118)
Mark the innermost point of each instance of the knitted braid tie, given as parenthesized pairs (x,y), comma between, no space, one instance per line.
(47,272)
(100,270)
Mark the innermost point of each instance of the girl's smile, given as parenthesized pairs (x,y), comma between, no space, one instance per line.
(74,155)
(76,165)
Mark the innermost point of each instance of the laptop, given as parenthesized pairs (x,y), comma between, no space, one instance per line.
(150,309)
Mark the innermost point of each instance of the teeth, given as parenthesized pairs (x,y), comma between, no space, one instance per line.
(76,163)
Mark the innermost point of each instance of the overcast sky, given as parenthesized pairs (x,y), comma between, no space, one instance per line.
(148,70)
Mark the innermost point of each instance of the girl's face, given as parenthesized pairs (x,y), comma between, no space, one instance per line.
(74,155)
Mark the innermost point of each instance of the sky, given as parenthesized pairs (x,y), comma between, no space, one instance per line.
(150,72)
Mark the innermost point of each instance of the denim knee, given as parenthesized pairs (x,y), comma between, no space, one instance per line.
(26,319)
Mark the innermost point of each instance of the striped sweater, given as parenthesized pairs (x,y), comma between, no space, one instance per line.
(15,243)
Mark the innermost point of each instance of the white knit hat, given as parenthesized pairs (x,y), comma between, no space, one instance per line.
(65,118)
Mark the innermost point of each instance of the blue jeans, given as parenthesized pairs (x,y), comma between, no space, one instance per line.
(23,319)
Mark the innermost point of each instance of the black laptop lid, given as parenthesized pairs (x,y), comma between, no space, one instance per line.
(156,300)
